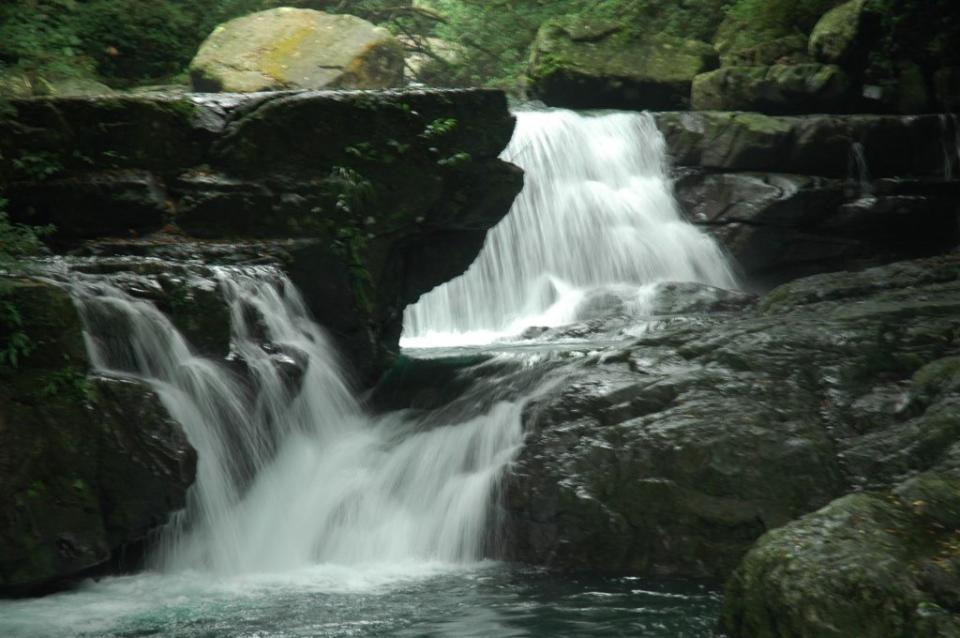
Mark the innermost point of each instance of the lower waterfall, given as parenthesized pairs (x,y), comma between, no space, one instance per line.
(289,477)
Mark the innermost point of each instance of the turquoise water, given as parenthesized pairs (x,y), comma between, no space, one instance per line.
(414,600)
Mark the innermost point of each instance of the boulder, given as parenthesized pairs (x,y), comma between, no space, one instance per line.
(876,565)
(777,89)
(673,454)
(837,36)
(288,48)
(789,49)
(588,63)
(89,465)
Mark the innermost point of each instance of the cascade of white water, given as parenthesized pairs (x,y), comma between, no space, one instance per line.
(947,145)
(860,170)
(951,147)
(597,210)
(290,471)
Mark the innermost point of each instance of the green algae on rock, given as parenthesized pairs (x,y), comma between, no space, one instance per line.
(287,48)
(585,63)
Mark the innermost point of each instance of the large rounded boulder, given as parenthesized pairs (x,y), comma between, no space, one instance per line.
(578,62)
(289,48)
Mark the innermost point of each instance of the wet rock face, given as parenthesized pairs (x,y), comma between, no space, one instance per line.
(671,456)
(794,196)
(389,193)
(88,465)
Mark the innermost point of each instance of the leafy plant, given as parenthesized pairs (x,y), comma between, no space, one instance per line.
(16,240)
(37,166)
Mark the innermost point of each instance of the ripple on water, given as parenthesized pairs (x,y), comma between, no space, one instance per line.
(376,600)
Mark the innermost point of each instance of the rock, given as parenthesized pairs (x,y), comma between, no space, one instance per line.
(589,63)
(684,298)
(788,50)
(350,191)
(49,137)
(836,38)
(778,227)
(813,145)
(89,465)
(947,84)
(94,204)
(287,48)
(778,89)
(872,565)
(74,87)
(749,26)
(671,455)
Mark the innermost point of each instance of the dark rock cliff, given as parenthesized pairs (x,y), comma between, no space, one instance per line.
(795,196)
(389,193)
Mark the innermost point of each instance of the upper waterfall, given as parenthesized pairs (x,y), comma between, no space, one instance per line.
(597,211)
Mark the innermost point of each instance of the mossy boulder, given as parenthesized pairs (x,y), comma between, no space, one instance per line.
(288,48)
(789,49)
(878,565)
(777,89)
(583,63)
(836,38)
(88,464)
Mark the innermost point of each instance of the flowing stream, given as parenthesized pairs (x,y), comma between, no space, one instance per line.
(310,517)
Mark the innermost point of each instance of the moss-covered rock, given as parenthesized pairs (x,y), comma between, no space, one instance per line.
(88,464)
(583,63)
(882,565)
(757,24)
(777,89)
(288,48)
(835,38)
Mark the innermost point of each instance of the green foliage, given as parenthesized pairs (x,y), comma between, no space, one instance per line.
(38,166)
(37,36)
(439,128)
(493,37)
(15,344)
(68,381)
(16,240)
(132,39)
(353,190)
(355,195)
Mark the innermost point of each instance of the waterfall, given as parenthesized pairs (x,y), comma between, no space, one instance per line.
(859,170)
(950,143)
(597,211)
(290,470)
